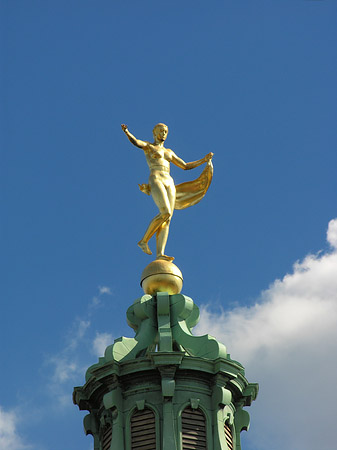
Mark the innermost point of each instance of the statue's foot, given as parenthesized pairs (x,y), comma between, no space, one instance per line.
(146,249)
(165,257)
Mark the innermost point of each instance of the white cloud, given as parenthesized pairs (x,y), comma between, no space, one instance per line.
(101,341)
(65,363)
(70,364)
(104,290)
(9,437)
(79,329)
(332,233)
(288,343)
(97,299)
(66,366)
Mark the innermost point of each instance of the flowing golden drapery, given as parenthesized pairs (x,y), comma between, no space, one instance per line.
(191,192)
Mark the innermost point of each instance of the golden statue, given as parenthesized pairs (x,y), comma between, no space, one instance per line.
(161,186)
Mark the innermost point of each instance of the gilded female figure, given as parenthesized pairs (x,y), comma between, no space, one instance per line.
(161,186)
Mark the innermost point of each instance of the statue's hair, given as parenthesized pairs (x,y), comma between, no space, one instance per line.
(159,125)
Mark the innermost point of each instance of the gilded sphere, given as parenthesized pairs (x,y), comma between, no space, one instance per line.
(161,276)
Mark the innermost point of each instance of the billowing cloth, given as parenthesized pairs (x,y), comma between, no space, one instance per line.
(191,192)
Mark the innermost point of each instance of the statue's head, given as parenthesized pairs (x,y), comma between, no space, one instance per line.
(160,132)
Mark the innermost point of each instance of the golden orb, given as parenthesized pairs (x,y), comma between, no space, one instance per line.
(161,276)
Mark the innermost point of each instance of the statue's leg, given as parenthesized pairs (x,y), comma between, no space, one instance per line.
(161,238)
(163,230)
(155,223)
(161,199)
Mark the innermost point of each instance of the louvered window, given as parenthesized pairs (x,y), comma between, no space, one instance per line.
(106,438)
(193,425)
(143,430)
(229,436)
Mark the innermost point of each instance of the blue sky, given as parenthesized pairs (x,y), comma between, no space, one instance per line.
(252,81)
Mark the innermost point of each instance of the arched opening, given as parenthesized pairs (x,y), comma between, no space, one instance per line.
(193,425)
(229,436)
(143,430)
(106,437)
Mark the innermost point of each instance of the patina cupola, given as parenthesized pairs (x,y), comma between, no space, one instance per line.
(165,389)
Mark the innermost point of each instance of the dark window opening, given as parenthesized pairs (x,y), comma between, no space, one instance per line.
(193,423)
(143,430)
(107,437)
(229,436)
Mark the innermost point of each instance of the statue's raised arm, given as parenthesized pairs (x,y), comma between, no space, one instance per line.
(161,186)
(132,139)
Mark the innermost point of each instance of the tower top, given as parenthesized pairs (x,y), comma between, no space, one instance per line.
(181,389)
(166,388)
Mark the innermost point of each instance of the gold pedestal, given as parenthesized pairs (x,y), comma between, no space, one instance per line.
(161,276)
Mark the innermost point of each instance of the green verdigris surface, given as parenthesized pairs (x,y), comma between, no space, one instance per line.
(165,368)
(166,323)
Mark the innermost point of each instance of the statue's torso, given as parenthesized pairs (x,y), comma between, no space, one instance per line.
(158,160)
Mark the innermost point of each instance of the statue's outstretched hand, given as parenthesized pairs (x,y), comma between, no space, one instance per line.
(124,127)
(209,157)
